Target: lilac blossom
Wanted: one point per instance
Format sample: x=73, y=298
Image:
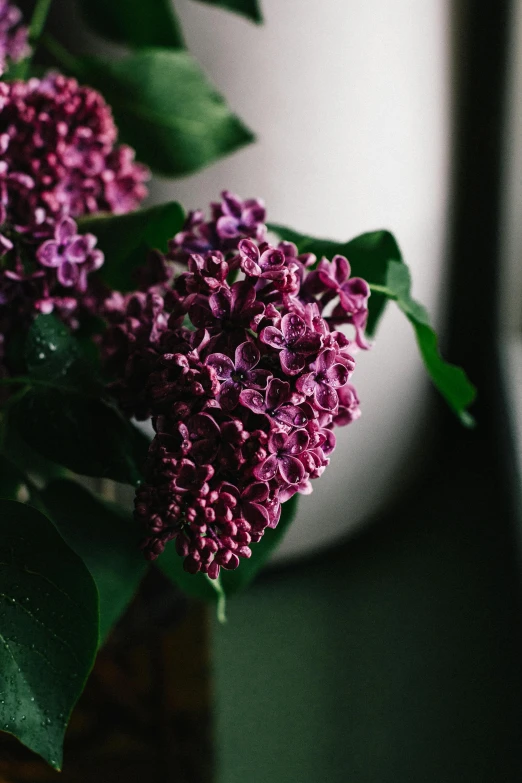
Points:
x=72, y=255
x=294, y=341
x=59, y=160
x=244, y=380
x=238, y=375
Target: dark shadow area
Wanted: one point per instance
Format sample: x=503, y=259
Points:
x=396, y=656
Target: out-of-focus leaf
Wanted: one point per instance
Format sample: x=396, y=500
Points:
x=48, y=629
x=84, y=434
x=451, y=381
x=127, y=239
x=136, y=23
x=106, y=537
x=248, y=8
x=376, y=257
x=368, y=255
x=167, y=110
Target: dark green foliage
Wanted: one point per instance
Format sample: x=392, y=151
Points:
x=127, y=239
x=48, y=629
x=136, y=23
x=106, y=537
x=166, y=109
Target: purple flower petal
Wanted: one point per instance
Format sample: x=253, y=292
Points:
x=306, y=384
x=278, y=392
x=297, y=442
x=243, y=296
x=67, y=274
x=65, y=230
x=255, y=493
x=266, y=470
x=48, y=254
x=341, y=269
x=252, y=399
x=291, y=415
x=221, y=364
x=326, y=397
x=220, y=304
x=309, y=343
x=232, y=204
x=277, y=441
x=258, y=379
x=292, y=363
x=325, y=360
x=337, y=376
x=249, y=249
x=229, y=395
x=293, y=327
x=226, y=227
x=272, y=336
x=291, y=469
x=247, y=356
x=256, y=515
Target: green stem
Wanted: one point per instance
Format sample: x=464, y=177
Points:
x=382, y=289
x=38, y=20
x=67, y=60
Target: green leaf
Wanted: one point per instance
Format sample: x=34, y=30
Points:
x=451, y=381
x=127, y=239
x=230, y=582
x=368, y=255
x=195, y=585
x=65, y=418
x=376, y=257
x=106, y=537
x=48, y=629
x=248, y=8
x=50, y=349
x=84, y=434
x=167, y=110
x=134, y=22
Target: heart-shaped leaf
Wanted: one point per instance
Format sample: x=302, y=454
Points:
x=134, y=22
x=368, y=255
x=376, y=257
x=48, y=629
x=127, y=239
x=166, y=109
x=106, y=537
x=248, y=8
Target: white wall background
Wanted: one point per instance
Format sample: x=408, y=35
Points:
x=350, y=101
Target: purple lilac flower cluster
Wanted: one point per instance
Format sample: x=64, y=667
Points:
x=245, y=373
x=13, y=35
x=58, y=161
